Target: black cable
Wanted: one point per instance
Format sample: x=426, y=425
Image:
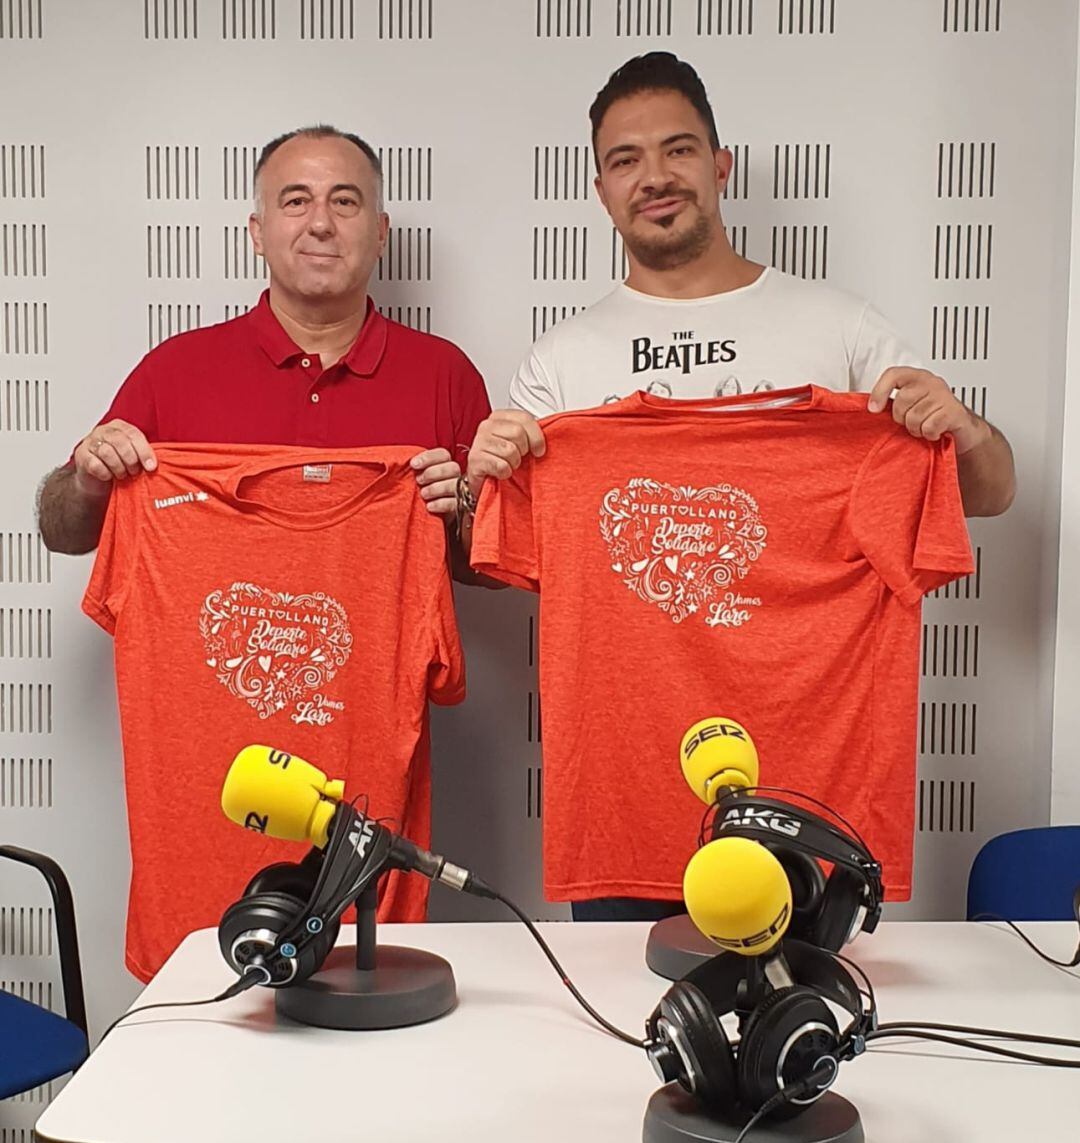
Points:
x=989, y=1033
x=1029, y=942
x=959, y=1042
x=766, y=1109
x=248, y=980
x=924, y=1030
x=808, y=1084
x=865, y=979
x=618, y=1032
x=920, y=1029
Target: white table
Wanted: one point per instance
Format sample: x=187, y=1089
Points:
x=518, y=1060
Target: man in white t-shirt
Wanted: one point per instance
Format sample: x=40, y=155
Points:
x=695, y=319
x=776, y=332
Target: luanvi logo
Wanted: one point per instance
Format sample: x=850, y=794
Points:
x=770, y=820
x=185, y=498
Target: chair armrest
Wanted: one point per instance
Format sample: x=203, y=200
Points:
x=64, y=911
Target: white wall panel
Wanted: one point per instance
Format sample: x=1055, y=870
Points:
x=919, y=153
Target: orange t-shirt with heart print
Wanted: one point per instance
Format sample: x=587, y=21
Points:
x=761, y=558
x=277, y=595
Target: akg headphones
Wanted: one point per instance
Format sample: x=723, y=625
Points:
x=287, y=921
x=827, y=911
x=251, y=928
x=789, y=1037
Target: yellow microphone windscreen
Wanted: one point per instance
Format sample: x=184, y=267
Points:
x=718, y=752
x=738, y=895
x=279, y=794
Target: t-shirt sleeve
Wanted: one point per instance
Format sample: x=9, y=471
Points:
x=504, y=540
x=446, y=671
x=907, y=517
x=533, y=389
x=876, y=347
x=469, y=405
x=114, y=563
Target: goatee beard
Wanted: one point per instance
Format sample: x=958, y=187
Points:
x=658, y=254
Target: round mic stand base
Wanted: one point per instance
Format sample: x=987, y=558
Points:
x=673, y=1116
x=406, y=986
x=675, y=947
x=372, y=986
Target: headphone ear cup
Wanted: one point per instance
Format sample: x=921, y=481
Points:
x=784, y=1038
x=807, y=886
x=839, y=906
x=283, y=877
x=702, y=1043
x=253, y=925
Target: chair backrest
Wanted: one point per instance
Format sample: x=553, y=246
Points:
x=36, y=1045
x=1027, y=875
x=66, y=932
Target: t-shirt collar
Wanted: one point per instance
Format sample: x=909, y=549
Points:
x=362, y=359
x=768, y=402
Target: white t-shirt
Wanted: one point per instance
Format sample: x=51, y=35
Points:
x=776, y=333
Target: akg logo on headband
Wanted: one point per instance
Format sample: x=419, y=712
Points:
x=361, y=834
x=770, y=820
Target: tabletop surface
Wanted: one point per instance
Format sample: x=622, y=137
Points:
x=518, y=1059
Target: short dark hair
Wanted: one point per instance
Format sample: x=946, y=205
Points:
x=320, y=131
x=654, y=71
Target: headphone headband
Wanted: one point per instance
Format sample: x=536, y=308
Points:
x=760, y=818
x=355, y=853
x=719, y=978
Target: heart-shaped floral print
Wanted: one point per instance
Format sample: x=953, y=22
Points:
x=271, y=648
x=683, y=548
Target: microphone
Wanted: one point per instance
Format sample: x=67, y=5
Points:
x=717, y=754
x=280, y=795
x=276, y=793
x=738, y=895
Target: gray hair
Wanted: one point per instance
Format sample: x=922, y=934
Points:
x=319, y=131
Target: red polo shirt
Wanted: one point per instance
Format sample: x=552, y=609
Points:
x=246, y=381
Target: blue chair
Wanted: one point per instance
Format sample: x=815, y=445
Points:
x=36, y=1045
x=1027, y=875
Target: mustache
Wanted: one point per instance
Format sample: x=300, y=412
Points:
x=660, y=196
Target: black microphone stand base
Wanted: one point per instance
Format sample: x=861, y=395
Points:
x=405, y=986
x=675, y=947
x=673, y=1116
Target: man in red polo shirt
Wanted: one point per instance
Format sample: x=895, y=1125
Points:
x=314, y=363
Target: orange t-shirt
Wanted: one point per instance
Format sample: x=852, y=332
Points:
x=761, y=558
x=276, y=595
